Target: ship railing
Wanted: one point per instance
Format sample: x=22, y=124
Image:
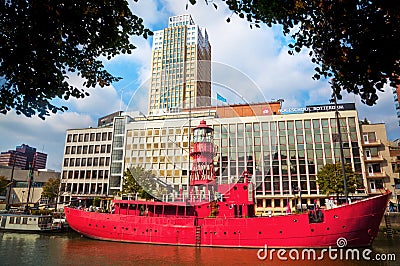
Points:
x=185, y=197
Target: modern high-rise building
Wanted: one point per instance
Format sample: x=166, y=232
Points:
x=181, y=67
x=24, y=157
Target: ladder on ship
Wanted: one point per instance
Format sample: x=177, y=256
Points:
x=389, y=230
x=198, y=235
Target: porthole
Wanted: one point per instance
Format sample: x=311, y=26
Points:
x=335, y=216
x=280, y=232
x=312, y=230
x=327, y=228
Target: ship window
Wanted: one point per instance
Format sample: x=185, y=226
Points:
x=245, y=187
x=24, y=220
x=18, y=220
x=11, y=220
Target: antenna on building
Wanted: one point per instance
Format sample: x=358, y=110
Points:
x=346, y=193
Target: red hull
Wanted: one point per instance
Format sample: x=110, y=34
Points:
x=358, y=223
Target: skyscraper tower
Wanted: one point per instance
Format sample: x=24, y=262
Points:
x=181, y=66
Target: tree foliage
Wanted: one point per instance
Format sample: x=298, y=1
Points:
x=138, y=180
x=42, y=42
x=330, y=179
x=354, y=42
x=51, y=188
x=3, y=184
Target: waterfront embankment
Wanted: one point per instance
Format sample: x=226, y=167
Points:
x=394, y=219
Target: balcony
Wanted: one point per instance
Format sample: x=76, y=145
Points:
x=376, y=175
x=374, y=159
x=372, y=143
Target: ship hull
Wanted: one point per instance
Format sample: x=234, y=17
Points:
x=356, y=224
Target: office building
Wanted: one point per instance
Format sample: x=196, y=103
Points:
x=24, y=156
x=181, y=67
x=86, y=163
x=13, y=159
x=377, y=158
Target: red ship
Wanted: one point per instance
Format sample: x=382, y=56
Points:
x=223, y=215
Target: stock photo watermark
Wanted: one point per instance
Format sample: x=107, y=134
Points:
x=340, y=252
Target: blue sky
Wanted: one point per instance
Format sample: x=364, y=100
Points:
x=259, y=55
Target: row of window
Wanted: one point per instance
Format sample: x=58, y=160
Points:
x=85, y=188
x=82, y=162
x=88, y=149
x=86, y=137
x=85, y=174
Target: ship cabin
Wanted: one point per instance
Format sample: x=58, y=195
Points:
x=232, y=201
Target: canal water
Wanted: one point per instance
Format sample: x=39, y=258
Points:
x=73, y=249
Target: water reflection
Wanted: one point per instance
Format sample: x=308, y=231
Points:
x=72, y=249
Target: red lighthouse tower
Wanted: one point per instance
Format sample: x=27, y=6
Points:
x=203, y=152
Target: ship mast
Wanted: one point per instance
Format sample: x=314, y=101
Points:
x=30, y=180
x=346, y=193
x=189, y=134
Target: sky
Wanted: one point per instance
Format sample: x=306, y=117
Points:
x=242, y=58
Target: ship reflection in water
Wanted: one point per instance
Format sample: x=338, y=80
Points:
x=72, y=249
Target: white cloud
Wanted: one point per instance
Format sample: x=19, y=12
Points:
x=46, y=136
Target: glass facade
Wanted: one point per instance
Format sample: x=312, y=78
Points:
x=283, y=153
